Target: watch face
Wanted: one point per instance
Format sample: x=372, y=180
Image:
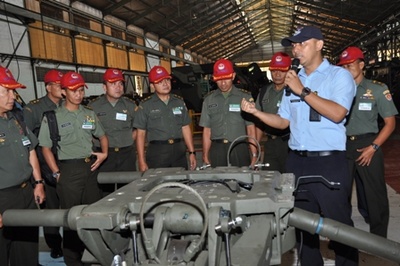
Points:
x=306, y=91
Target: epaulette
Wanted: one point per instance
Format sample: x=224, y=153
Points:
x=35, y=101
x=177, y=96
x=244, y=91
x=88, y=107
x=209, y=93
x=147, y=98
x=95, y=99
x=378, y=82
x=128, y=99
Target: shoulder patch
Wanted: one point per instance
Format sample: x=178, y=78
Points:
x=388, y=95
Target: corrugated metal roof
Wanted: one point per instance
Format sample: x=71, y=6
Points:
x=251, y=30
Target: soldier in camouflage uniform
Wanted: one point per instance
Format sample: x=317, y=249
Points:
x=364, y=139
x=33, y=114
x=164, y=121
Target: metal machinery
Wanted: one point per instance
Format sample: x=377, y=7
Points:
x=214, y=217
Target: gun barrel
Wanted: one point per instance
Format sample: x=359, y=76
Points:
x=118, y=177
x=345, y=234
x=36, y=218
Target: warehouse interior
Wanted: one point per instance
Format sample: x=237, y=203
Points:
x=186, y=36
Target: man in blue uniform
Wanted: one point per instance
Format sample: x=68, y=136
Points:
x=364, y=140
x=321, y=97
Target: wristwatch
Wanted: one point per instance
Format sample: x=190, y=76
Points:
x=37, y=182
x=375, y=146
x=192, y=152
x=56, y=174
x=305, y=92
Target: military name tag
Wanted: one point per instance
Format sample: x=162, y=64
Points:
x=365, y=106
x=177, y=111
x=25, y=141
x=121, y=117
x=234, y=108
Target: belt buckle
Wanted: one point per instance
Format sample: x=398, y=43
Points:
x=24, y=184
x=225, y=141
x=171, y=141
x=116, y=149
x=353, y=137
x=87, y=159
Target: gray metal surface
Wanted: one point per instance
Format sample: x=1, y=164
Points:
x=221, y=216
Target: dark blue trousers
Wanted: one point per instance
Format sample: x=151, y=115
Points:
x=315, y=195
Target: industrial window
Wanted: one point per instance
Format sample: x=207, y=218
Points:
x=51, y=11
x=81, y=21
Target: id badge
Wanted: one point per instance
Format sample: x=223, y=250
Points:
x=177, y=111
x=87, y=125
x=365, y=106
x=121, y=116
x=25, y=141
x=234, y=107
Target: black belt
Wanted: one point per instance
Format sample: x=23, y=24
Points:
x=315, y=153
x=81, y=160
x=361, y=136
x=22, y=185
x=221, y=141
x=168, y=141
x=283, y=137
x=118, y=149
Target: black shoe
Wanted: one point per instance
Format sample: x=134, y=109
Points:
x=56, y=253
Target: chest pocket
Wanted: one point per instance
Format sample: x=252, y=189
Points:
x=67, y=134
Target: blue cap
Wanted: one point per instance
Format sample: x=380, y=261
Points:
x=303, y=34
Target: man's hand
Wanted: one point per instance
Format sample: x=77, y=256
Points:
x=248, y=107
x=192, y=160
x=100, y=157
x=39, y=194
x=366, y=155
x=143, y=166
